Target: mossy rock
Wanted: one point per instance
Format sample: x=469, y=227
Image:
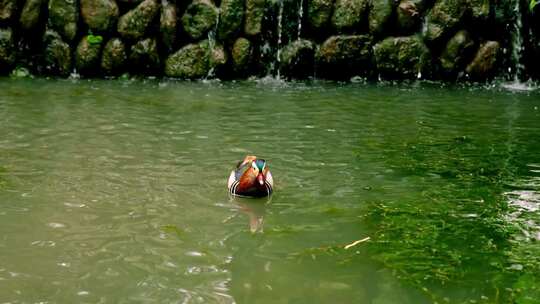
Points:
x=199, y=18
x=484, y=64
x=87, y=55
x=134, y=24
x=443, y=18
x=297, y=59
x=195, y=61
x=349, y=15
x=168, y=25
x=99, y=15
x=64, y=18
x=8, y=10
x=409, y=16
x=191, y=61
x=241, y=55
x=31, y=14
x=254, y=16
x=7, y=51
x=57, y=55
x=144, y=57
x=455, y=53
x=230, y=19
x=217, y=57
x=114, y=57
x=380, y=14
x=319, y=13
x=479, y=9
x=402, y=58
x=344, y=56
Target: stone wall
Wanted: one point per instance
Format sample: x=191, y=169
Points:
x=334, y=39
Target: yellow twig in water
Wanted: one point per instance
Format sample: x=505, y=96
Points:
x=357, y=242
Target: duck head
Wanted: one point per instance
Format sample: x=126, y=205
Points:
x=259, y=166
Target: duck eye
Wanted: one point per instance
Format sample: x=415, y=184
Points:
x=254, y=165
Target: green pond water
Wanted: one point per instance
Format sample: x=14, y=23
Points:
x=115, y=192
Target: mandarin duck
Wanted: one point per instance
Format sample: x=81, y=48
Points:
x=251, y=178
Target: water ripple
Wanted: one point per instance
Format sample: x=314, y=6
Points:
x=112, y=195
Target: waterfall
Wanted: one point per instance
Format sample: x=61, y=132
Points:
x=266, y=52
x=300, y=15
x=517, y=43
x=278, y=53
x=517, y=70
x=212, y=43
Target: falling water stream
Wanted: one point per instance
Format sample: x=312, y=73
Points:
x=517, y=68
x=212, y=44
x=300, y=16
x=517, y=43
x=279, y=30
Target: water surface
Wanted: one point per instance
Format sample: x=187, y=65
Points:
x=114, y=192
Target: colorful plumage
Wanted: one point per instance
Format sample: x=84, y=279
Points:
x=251, y=178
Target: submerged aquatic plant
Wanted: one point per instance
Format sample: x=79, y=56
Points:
x=3, y=182
x=453, y=232
x=172, y=230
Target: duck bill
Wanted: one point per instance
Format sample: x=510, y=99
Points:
x=260, y=179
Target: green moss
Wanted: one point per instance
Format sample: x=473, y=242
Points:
x=402, y=57
x=135, y=23
x=199, y=18
x=532, y=5
x=231, y=18
x=254, y=14
x=348, y=15
x=94, y=39
x=20, y=72
x=191, y=61
x=319, y=12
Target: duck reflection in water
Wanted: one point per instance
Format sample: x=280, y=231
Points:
x=254, y=209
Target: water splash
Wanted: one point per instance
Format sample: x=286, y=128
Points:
x=273, y=83
x=74, y=75
x=518, y=86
